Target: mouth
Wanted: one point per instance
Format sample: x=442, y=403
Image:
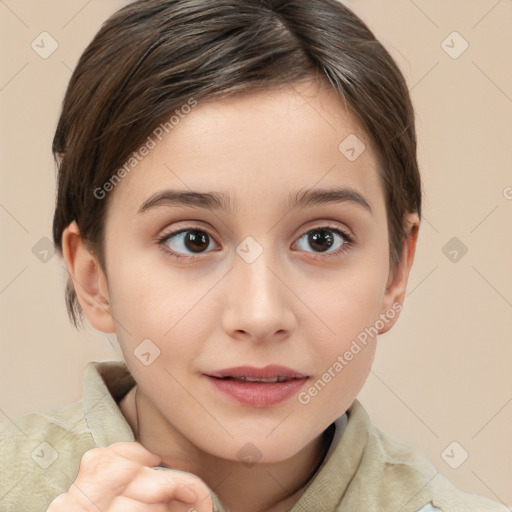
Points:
x=251, y=379
x=270, y=373
x=258, y=387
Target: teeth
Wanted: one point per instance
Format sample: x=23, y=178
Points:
x=272, y=379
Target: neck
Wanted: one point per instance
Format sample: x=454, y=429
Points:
x=243, y=487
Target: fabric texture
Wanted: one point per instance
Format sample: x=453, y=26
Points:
x=430, y=508
x=365, y=469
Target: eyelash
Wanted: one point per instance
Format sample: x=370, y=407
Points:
x=346, y=246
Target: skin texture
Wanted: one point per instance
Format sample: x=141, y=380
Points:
x=120, y=477
x=294, y=305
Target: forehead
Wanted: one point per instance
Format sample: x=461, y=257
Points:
x=253, y=144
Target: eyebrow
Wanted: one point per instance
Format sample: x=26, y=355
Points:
x=223, y=202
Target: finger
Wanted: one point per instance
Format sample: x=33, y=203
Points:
x=124, y=504
x=204, y=502
x=97, y=459
x=134, y=451
x=152, y=486
x=64, y=503
x=105, y=472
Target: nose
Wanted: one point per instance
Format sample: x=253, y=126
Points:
x=258, y=302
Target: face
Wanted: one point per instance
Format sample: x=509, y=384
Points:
x=262, y=274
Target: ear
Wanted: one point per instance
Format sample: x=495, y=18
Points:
x=88, y=278
x=397, y=282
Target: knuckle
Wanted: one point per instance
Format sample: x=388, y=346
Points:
x=93, y=459
x=58, y=503
x=92, y=454
x=100, y=465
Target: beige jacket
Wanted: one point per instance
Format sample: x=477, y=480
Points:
x=365, y=470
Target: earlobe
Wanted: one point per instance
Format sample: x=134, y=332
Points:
x=397, y=283
x=88, y=278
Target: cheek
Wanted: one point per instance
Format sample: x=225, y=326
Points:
x=332, y=392
x=349, y=301
x=169, y=308
x=345, y=350
x=349, y=306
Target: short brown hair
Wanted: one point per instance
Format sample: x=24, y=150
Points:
x=152, y=56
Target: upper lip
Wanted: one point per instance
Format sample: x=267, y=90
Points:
x=267, y=372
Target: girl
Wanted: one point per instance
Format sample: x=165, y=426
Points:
x=239, y=202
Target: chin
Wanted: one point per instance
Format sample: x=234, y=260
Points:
x=262, y=449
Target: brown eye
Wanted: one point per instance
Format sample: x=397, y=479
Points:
x=320, y=240
x=196, y=241
x=188, y=241
x=324, y=240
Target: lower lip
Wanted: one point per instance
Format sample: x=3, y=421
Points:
x=258, y=394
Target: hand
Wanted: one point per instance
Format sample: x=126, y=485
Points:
x=118, y=479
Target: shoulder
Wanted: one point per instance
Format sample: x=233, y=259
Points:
x=39, y=456
x=405, y=459
x=374, y=470
x=40, y=453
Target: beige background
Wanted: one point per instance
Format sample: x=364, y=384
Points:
x=443, y=373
